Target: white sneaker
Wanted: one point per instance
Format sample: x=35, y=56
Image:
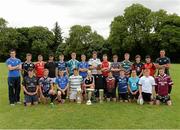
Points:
x=19, y=103
x=12, y=104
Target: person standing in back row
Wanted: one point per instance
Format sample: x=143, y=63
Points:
x=163, y=61
x=14, y=80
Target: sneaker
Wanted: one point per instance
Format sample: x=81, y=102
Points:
x=12, y=104
x=19, y=103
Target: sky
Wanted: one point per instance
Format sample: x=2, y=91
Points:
x=96, y=13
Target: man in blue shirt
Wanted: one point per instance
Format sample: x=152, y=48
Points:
x=83, y=66
x=14, y=67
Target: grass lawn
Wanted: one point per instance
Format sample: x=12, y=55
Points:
x=106, y=115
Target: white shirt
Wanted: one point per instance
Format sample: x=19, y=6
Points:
x=147, y=83
x=95, y=63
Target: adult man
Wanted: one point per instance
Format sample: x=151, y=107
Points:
x=163, y=61
x=14, y=67
x=94, y=62
x=27, y=64
x=51, y=66
x=126, y=64
x=72, y=64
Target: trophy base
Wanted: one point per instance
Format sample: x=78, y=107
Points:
x=88, y=102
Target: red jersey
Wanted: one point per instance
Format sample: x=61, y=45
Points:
x=110, y=82
x=105, y=64
x=39, y=67
x=162, y=84
x=151, y=67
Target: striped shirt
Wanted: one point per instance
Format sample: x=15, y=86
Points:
x=75, y=81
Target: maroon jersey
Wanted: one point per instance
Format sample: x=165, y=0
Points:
x=162, y=84
x=110, y=82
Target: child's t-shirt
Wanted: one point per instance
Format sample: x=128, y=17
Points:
x=133, y=83
x=75, y=82
x=122, y=84
x=62, y=82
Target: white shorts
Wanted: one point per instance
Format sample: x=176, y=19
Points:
x=73, y=95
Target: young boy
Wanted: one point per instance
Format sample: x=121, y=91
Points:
x=146, y=87
x=63, y=85
x=72, y=64
x=46, y=87
x=123, y=86
x=163, y=88
x=133, y=86
x=99, y=82
x=83, y=66
x=75, y=82
x=111, y=88
x=138, y=66
x=39, y=67
x=61, y=65
x=30, y=88
x=149, y=65
x=126, y=64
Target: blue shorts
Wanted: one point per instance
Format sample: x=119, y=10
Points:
x=31, y=99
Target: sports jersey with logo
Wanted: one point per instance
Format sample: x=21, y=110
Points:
x=138, y=67
x=95, y=63
x=110, y=83
x=75, y=82
x=126, y=65
x=61, y=65
x=133, y=83
x=122, y=84
x=115, y=65
x=151, y=67
x=105, y=64
x=26, y=66
x=83, y=65
x=30, y=83
x=62, y=82
x=163, y=61
x=39, y=67
x=71, y=65
x=163, y=83
x=13, y=62
x=45, y=83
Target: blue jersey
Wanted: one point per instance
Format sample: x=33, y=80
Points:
x=13, y=62
x=61, y=65
x=122, y=84
x=83, y=65
x=133, y=83
x=62, y=82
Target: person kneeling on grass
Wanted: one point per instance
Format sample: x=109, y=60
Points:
x=62, y=88
x=75, y=83
x=133, y=86
x=146, y=87
x=163, y=87
x=46, y=88
x=30, y=87
x=111, y=88
x=123, y=86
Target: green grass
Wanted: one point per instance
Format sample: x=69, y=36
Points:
x=106, y=115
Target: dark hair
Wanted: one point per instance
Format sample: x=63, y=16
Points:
x=95, y=52
x=28, y=54
x=12, y=50
x=137, y=56
x=75, y=69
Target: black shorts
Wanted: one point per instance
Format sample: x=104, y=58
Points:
x=111, y=94
x=46, y=94
x=31, y=99
x=134, y=96
x=146, y=97
x=123, y=96
x=63, y=96
x=163, y=99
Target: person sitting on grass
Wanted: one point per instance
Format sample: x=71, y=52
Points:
x=146, y=87
x=111, y=88
x=123, y=86
x=75, y=84
x=62, y=86
x=163, y=88
x=46, y=88
x=30, y=86
x=133, y=86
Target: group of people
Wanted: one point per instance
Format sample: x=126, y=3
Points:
x=92, y=80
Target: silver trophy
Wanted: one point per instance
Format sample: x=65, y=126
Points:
x=89, y=91
x=79, y=96
x=101, y=95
